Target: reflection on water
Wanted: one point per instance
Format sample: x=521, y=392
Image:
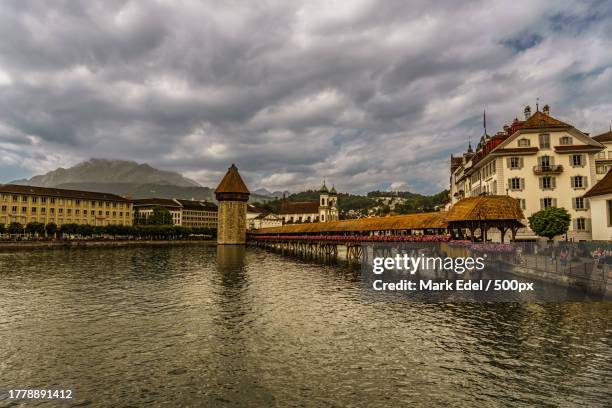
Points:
x=229, y=326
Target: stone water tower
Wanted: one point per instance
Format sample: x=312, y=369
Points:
x=232, y=195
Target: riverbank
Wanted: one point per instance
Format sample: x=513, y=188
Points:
x=99, y=244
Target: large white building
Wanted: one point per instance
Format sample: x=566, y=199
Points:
x=540, y=161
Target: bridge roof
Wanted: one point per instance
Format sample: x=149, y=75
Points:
x=482, y=208
x=396, y=222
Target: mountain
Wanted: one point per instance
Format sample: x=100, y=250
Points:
x=128, y=179
x=267, y=193
x=95, y=171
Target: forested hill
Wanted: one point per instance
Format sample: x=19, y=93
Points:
x=404, y=202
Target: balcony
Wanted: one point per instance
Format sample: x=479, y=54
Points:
x=552, y=169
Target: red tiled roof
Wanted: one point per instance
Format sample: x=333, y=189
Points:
x=604, y=137
x=540, y=120
x=604, y=186
x=59, y=192
x=232, y=182
x=302, y=207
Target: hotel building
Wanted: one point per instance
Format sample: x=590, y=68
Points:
x=542, y=162
x=186, y=213
x=24, y=204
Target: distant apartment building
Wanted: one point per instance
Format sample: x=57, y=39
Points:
x=542, y=162
x=198, y=213
x=24, y=204
x=186, y=213
x=258, y=218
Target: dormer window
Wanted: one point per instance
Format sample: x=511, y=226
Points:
x=523, y=142
x=565, y=140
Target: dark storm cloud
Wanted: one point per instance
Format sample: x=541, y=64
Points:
x=365, y=94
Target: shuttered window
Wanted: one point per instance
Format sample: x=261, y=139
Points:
x=578, y=182
x=515, y=162
x=547, y=183
x=547, y=202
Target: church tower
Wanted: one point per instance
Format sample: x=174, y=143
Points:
x=328, y=204
x=232, y=195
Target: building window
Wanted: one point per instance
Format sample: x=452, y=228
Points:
x=578, y=182
x=580, y=224
x=600, y=155
x=565, y=140
x=544, y=141
x=579, y=203
x=515, y=162
x=33, y=210
x=24, y=210
x=52, y=200
x=523, y=203
x=545, y=162
x=576, y=160
x=547, y=183
x=601, y=169
x=24, y=199
x=523, y=143
x=516, y=183
x=43, y=200
x=547, y=202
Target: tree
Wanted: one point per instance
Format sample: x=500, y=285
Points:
x=51, y=229
x=15, y=228
x=2, y=228
x=160, y=216
x=550, y=222
x=35, y=228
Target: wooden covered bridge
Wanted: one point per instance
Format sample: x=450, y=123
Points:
x=464, y=220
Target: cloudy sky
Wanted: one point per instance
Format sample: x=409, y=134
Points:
x=368, y=95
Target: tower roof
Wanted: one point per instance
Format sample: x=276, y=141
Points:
x=232, y=182
x=323, y=188
x=333, y=191
x=232, y=188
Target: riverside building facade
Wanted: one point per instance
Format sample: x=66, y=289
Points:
x=186, y=213
x=541, y=161
x=25, y=204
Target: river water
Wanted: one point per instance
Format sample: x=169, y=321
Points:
x=206, y=326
